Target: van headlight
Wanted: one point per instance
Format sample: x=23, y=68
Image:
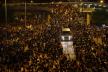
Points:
x=63, y=38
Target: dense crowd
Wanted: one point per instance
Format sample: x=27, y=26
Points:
x=37, y=47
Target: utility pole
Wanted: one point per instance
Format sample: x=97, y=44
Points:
x=25, y=12
x=88, y=18
x=6, y=11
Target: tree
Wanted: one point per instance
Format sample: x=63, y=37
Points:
x=100, y=16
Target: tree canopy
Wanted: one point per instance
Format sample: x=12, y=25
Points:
x=100, y=16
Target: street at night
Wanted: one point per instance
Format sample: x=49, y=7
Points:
x=54, y=36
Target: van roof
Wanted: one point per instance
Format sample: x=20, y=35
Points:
x=66, y=29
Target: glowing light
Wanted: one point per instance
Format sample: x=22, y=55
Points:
x=52, y=2
x=101, y=1
x=100, y=5
x=63, y=37
x=31, y=1
x=70, y=37
x=66, y=29
x=85, y=4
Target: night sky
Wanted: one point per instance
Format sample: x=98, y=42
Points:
x=45, y=1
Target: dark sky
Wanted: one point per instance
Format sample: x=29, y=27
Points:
x=42, y=1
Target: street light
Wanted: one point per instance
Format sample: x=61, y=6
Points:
x=101, y=1
x=31, y=1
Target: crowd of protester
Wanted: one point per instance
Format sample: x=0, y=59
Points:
x=37, y=47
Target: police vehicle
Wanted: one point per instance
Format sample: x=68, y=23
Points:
x=66, y=34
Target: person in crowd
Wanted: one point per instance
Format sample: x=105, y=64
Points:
x=36, y=47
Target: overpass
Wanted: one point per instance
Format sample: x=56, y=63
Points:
x=84, y=7
x=46, y=6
